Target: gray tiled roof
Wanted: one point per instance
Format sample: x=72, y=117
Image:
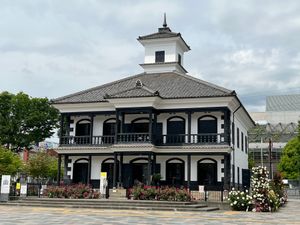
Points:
x=166, y=85
x=283, y=103
x=164, y=32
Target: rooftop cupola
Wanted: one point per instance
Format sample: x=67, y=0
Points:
x=164, y=50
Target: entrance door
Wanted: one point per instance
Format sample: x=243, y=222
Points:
x=109, y=169
x=80, y=173
x=207, y=173
x=139, y=172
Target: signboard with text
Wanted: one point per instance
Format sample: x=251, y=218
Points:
x=5, y=184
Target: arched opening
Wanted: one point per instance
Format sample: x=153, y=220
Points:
x=83, y=131
x=109, y=130
x=207, y=171
x=108, y=166
x=139, y=167
x=140, y=125
x=207, y=129
x=175, y=172
x=80, y=171
x=175, y=130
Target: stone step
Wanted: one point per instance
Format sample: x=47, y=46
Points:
x=123, y=207
x=106, y=201
x=110, y=203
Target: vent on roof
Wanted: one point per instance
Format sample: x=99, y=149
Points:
x=139, y=84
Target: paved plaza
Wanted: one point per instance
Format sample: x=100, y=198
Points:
x=9, y=215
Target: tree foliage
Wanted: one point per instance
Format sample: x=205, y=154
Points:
x=10, y=163
x=24, y=120
x=42, y=166
x=290, y=159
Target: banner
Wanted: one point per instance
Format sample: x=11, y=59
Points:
x=5, y=184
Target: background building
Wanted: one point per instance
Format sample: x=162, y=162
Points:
x=279, y=124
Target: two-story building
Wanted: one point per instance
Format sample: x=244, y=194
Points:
x=160, y=121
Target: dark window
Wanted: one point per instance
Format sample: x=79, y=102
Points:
x=207, y=129
x=160, y=56
x=238, y=137
x=233, y=137
x=246, y=144
x=238, y=176
x=242, y=137
x=179, y=59
x=175, y=130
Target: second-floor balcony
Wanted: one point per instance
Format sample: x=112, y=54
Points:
x=136, y=138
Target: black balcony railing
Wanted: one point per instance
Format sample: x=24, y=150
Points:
x=87, y=140
x=161, y=140
x=197, y=139
x=134, y=138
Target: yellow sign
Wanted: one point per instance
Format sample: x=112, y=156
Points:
x=103, y=175
x=18, y=186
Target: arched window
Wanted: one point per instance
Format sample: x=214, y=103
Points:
x=83, y=127
x=175, y=130
x=175, y=172
x=109, y=130
x=80, y=171
x=83, y=131
x=207, y=129
x=140, y=125
x=207, y=171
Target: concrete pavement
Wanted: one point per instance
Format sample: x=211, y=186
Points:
x=290, y=214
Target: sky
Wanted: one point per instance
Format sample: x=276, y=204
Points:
x=54, y=48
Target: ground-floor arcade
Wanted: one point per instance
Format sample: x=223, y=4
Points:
x=124, y=169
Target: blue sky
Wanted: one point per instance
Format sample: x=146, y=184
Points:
x=53, y=48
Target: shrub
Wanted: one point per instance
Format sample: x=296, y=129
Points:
x=240, y=200
x=141, y=192
x=71, y=191
x=278, y=187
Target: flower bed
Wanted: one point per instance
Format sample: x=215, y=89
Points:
x=166, y=193
x=75, y=191
x=240, y=200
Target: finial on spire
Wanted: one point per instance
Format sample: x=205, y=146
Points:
x=165, y=21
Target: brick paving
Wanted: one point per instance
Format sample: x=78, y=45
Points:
x=290, y=214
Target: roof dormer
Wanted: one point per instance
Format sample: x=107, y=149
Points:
x=164, y=51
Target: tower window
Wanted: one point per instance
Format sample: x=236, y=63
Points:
x=160, y=56
x=179, y=59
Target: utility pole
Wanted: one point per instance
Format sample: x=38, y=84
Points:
x=270, y=158
x=261, y=152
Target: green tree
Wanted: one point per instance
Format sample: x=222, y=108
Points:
x=25, y=121
x=290, y=159
x=10, y=163
x=42, y=166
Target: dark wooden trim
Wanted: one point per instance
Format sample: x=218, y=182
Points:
x=76, y=161
x=140, y=118
x=115, y=171
x=188, y=171
x=120, y=168
x=215, y=161
x=89, y=169
x=149, y=169
x=59, y=169
x=189, y=126
x=173, y=117
x=105, y=160
x=139, y=158
x=107, y=120
x=87, y=113
x=175, y=158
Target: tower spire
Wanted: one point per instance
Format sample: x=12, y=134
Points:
x=165, y=21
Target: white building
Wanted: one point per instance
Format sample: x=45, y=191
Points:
x=161, y=121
